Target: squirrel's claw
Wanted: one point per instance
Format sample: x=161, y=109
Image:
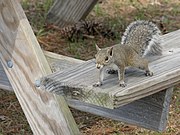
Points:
x=98, y=84
x=122, y=84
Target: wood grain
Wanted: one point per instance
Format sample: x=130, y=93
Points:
x=150, y=112
x=76, y=82
x=57, y=62
x=4, y=81
x=60, y=62
x=66, y=12
x=46, y=113
x=133, y=113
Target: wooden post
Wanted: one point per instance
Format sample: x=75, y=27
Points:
x=24, y=63
x=66, y=12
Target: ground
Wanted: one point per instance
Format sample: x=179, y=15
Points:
x=115, y=15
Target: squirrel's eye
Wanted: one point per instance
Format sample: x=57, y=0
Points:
x=106, y=59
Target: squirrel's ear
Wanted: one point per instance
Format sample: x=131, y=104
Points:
x=110, y=51
x=97, y=48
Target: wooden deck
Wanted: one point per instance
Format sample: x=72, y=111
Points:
x=76, y=82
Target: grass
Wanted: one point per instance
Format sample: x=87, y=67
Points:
x=36, y=12
x=47, y=4
x=98, y=11
x=115, y=14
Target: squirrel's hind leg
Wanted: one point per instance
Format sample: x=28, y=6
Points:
x=142, y=64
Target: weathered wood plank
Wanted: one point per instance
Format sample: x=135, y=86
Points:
x=24, y=62
x=4, y=81
x=60, y=62
x=66, y=12
x=53, y=58
x=76, y=83
x=149, y=112
x=56, y=62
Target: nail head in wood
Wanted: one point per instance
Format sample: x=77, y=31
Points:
x=37, y=83
x=9, y=64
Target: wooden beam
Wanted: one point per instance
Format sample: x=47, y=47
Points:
x=24, y=62
x=57, y=62
x=66, y=12
x=4, y=81
x=77, y=82
x=60, y=62
x=150, y=112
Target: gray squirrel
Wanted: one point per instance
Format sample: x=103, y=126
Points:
x=139, y=39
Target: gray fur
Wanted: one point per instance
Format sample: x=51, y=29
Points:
x=139, y=39
x=144, y=34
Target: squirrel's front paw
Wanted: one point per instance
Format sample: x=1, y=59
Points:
x=97, y=84
x=122, y=84
x=149, y=73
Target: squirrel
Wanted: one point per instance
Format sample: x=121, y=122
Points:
x=139, y=39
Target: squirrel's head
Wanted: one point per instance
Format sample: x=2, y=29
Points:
x=103, y=56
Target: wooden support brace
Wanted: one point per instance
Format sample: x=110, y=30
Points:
x=66, y=12
x=24, y=62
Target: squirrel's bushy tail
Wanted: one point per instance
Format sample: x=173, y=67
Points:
x=144, y=36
